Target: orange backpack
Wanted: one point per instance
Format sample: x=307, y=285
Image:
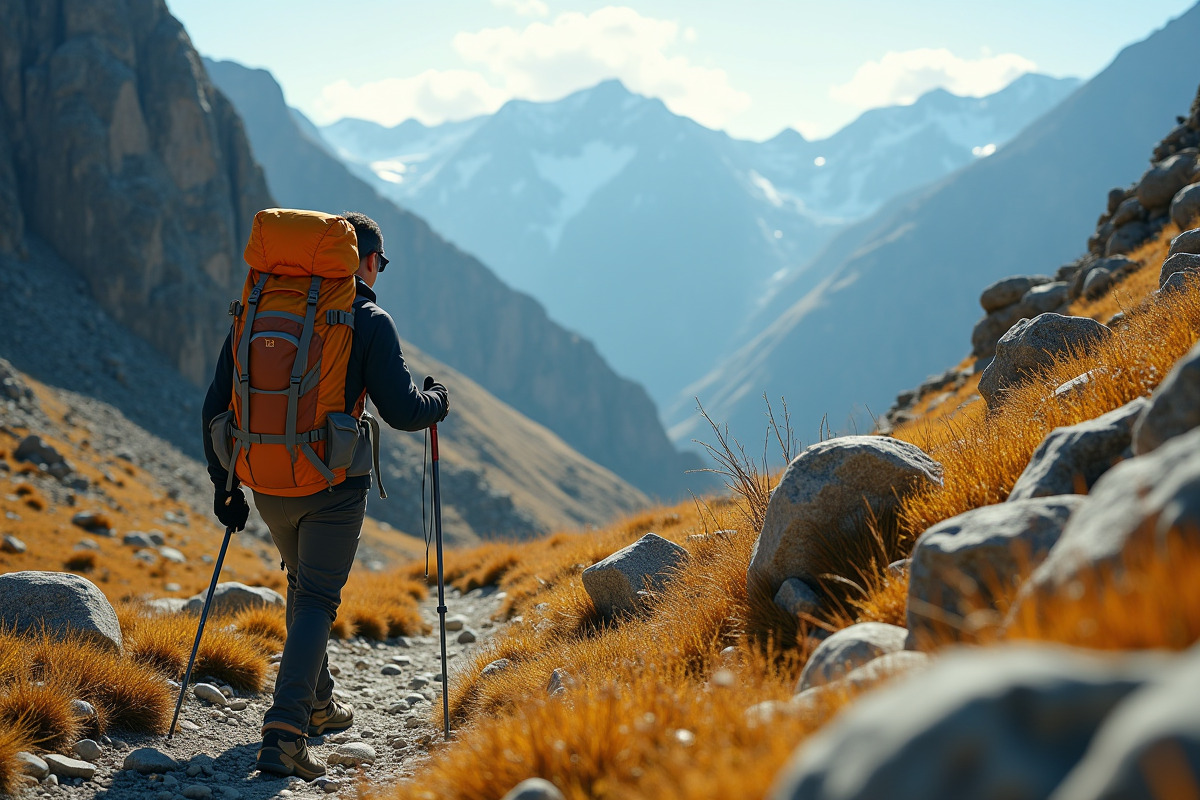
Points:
x=287, y=432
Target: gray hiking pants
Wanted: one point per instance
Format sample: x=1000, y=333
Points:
x=317, y=537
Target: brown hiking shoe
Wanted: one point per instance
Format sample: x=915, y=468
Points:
x=333, y=717
x=284, y=753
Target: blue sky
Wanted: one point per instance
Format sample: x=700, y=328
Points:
x=751, y=68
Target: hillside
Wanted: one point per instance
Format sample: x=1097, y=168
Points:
x=452, y=307
x=875, y=310
x=578, y=200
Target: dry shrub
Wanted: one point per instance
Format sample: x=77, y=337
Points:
x=164, y=643
x=13, y=739
x=378, y=605
x=43, y=710
x=264, y=625
x=82, y=561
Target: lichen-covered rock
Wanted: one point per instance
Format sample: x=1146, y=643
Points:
x=1071, y=459
x=1032, y=345
x=823, y=500
x=61, y=603
x=848, y=649
x=1173, y=409
x=646, y=565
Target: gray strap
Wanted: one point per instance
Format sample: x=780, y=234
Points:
x=237, y=447
x=373, y=426
x=317, y=435
x=300, y=365
x=243, y=356
x=289, y=316
x=335, y=317
x=326, y=473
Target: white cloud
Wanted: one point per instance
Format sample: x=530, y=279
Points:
x=544, y=61
x=524, y=8
x=899, y=78
x=432, y=97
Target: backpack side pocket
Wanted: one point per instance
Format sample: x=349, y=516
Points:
x=341, y=440
x=220, y=432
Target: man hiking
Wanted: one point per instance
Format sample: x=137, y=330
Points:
x=285, y=416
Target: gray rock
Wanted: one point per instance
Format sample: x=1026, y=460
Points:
x=1043, y=298
x=11, y=544
x=64, y=767
x=1180, y=262
x=883, y=668
x=352, y=754
x=1186, y=206
x=418, y=682
x=1162, y=181
x=88, y=750
x=32, y=765
x=172, y=555
x=91, y=522
x=36, y=450
x=1136, y=506
x=988, y=330
x=456, y=622
x=795, y=597
x=496, y=667
x=1129, y=211
x=1174, y=408
x=232, y=596
x=646, y=565
x=1033, y=345
x=1106, y=271
x=83, y=710
x=534, y=789
x=1187, y=281
x=821, y=503
x=1126, y=238
x=1007, y=291
x=466, y=636
x=63, y=603
x=197, y=791
x=1071, y=459
x=959, y=563
x=560, y=681
x=1186, y=242
x=1145, y=741
x=1005, y=722
x=847, y=650
x=137, y=539
x=210, y=694
x=167, y=605
x=1077, y=384
x=328, y=785
x=391, y=670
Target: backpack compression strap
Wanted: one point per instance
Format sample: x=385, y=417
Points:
x=242, y=375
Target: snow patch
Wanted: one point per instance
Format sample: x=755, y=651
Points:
x=466, y=168
x=578, y=177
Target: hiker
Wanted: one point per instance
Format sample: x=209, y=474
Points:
x=306, y=447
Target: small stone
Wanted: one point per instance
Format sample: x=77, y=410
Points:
x=328, y=785
x=397, y=708
x=403, y=661
x=238, y=705
x=353, y=754
x=210, y=693
x=467, y=636
x=412, y=722
x=415, y=699
x=188, y=725
x=164, y=795
x=455, y=623
x=172, y=555
x=52, y=780
x=172, y=587
x=197, y=791
x=534, y=789
x=418, y=682
x=496, y=667
x=193, y=770
x=147, y=760
x=391, y=669
x=87, y=749
x=11, y=544
x=64, y=767
x=559, y=682
x=361, y=664
x=32, y=765
x=83, y=710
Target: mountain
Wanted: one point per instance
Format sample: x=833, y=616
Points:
x=870, y=316
x=654, y=236
x=456, y=310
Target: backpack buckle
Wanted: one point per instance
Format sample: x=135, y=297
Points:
x=313, y=294
x=235, y=308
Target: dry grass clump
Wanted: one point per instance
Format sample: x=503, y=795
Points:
x=379, y=605
x=43, y=710
x=266, y=626
x=164, y=642
x=81, y=561
x=14, y=737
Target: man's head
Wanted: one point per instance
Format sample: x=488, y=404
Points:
x=371, y=260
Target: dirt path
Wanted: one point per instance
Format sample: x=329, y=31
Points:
x=216, y=749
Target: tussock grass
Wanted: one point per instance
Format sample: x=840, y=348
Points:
x=266, y=626
x=81, y=561
x=379, y=605
x=14, y=737
x=43, y=710
x=164, y=642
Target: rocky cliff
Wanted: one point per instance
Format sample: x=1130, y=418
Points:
x=118, y=152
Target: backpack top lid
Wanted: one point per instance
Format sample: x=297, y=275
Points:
x=286, y=241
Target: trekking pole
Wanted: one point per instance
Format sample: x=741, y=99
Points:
x=212, y=588
x=437, y=526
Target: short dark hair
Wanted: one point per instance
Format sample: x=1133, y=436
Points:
x=370, y=238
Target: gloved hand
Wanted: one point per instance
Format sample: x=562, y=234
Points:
x=235, y=514
x=433, y=386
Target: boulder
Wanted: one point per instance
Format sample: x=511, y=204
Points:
x=1115, y=198
x=960, y=564
x=795, y=597
x=1032, y=345
x=1174, y=408
x=1043, y=298
x=534, y=789
x=231, y=597
x=1129, y=211
x=36, y=450
x=1071, y=459
x=847, y=650
x=1135, y=507
x=29, y=764
x=1107, y=269
x=1005, y=722
x=988, y=330
x=62, y=603
x=1186, y=242
x=646, y=565
x=1143, y=744
x=822, y=502
x=885, y=667
x=1007, y=291
x=1126, y=238
x=1180, y=262
x=1186, y=206
x=1162, y=181
x=1188, y=281
x=65, y=767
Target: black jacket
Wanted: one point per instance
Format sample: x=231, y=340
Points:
x=376, y=364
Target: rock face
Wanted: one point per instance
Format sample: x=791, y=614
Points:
x=1174, y=409
x=117, y=151
x=1071, y=459
x=646, y=565
x=972, y=733
x=848, y=649
x=1136, y=506
x=231, y=597
x=959, y=563
x=1031, y=345
x=1127, y=751
x=822, y=503
x=65, y=604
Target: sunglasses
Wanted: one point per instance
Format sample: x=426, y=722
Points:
x=383, y=262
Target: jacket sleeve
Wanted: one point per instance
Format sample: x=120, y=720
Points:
x=389, y=384
x=217, y=401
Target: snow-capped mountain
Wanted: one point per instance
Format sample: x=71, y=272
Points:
x=654, y=236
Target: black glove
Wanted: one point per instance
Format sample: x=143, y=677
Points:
x=234, y=513
x=433, y=386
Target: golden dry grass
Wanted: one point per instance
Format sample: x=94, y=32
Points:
x=14, y=738
x=43, y=710
x=164, y=642
x=379, y=605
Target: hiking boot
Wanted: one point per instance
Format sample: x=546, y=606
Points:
x=333, y=717
x=284, y=753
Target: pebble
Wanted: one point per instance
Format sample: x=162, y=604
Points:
x=52, y=780
x=353, y=754
x=194, y=769
x=172, y=587
x=415, y=699
x=361, y=664
x=456, y=623
x=329, y=785
x=238, y=705
x=418, y=682
x=87, y=749
x=206, y=691
x=392, y=669
x=497, y=666
x=397, y=708
x=403, y=661
x=164, y=795
x=82, y=709
x=12, y=544
x=197, y=791
x=147, y=760
x=188, y=725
